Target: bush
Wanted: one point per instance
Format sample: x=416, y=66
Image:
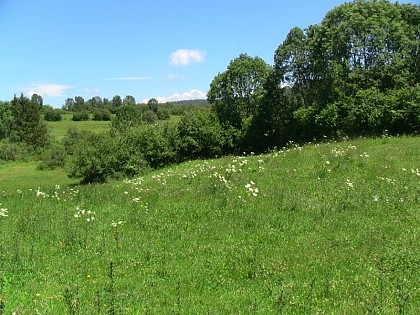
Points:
x=52, y=158
x=12, y=151
x=101, y=115
x=80, y=115
x=97, y=157
x=53, y=115
x=72, y=138
x=154, y=143
x=200, y=136
x=126, y=117
x=150, y=117
x=163, y=114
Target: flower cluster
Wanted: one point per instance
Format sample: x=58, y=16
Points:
x=117, y=224
x=349, y=183
x=41, y=194
x=222, y=179
x=3, y=212
x=82, y=213
x=252, y=190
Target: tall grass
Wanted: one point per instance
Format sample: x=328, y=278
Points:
x=331, y=228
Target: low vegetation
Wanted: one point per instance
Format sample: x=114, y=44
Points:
x=327, y=228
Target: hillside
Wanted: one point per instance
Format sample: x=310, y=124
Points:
x=329, y=228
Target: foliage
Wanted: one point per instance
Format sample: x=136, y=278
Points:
x=6, y=120
x=12, y=151
x=153, y=105
x=163, y=114
x=52, y=158
x=102, y=115
x=27, y=121
x=129, y=100
x=235, y=93
x=51, y=114
x=126, y=117
x=200, y=136
x=153, y=143
x=150, y=117
x=93, y=159
x=81, y=115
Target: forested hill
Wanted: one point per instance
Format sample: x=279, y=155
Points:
x=190, y=103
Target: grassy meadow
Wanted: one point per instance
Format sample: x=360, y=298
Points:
x=58, y=129
x=331, y=228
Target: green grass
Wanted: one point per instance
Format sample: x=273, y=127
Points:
x=24, y=175
x=322, y=229
x=59, y=129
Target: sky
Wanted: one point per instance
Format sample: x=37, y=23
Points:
x=164, y=49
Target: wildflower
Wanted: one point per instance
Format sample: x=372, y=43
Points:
x=3, y=212
x=252, y=190
x=136, y=199
x=349, y=183
x=118, y=223
x=376, y=198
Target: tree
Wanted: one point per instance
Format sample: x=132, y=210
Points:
x=126, y=117
x=344, y=72
x=129, y=100
x=79, y=103
x=95, y=102
x=116, y=101
x=69, y=104
x=28, y=124
x=6, y=120
x=37, y=99
x=236, y=93
x=153, y=104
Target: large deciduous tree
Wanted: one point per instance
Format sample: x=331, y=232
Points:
x=235, y=93
x=129, y=100
x=362, y=51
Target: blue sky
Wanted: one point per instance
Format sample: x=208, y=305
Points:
x=169, y=50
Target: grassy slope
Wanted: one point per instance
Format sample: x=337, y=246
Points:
x=332, y=228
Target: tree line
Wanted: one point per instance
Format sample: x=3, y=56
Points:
x=354, y=74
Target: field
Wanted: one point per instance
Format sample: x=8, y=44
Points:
x=58, y=129
x=331, y=228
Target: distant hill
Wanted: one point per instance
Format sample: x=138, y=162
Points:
x=201, y=102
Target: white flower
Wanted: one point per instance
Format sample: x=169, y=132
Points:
x=3, y=212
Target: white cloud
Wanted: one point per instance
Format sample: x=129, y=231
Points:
x=47, y=89
x=172, y=77
x=91, y=90
x=185, y=57
x=131, y=78
x=192, y=95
